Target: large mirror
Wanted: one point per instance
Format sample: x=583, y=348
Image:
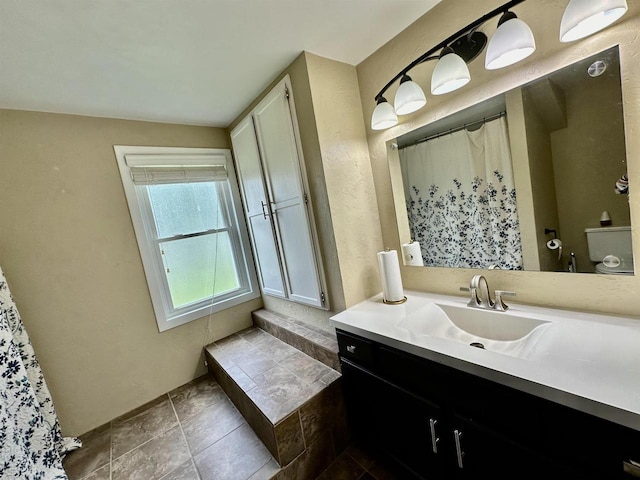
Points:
x=534, y=179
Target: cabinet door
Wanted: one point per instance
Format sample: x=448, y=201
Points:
x=405, y=426
x=598, y=446
x=281, y=163
x=480, y=452
x=255, y=200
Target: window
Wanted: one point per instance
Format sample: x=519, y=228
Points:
x=185, y=207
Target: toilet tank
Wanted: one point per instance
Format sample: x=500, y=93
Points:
x=605, y=241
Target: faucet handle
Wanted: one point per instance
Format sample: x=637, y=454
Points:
x=499, y=302
x=474, y=301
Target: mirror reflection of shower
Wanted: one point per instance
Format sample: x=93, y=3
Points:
x=461, y=197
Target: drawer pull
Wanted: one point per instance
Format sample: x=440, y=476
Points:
x=457, y=434
x=351, y=348
x=434, y=439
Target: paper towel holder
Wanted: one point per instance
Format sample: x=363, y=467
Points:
x=396, y=302
x=385, y=286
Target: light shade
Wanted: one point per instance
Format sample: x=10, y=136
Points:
x=384, y=116
x=583, y=17
x=512, y=42
x=409, y=97
x=449, y=74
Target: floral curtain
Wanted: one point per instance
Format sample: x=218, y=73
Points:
x=461, y=199
x=31, y=443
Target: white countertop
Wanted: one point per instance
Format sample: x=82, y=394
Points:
x=586, y=361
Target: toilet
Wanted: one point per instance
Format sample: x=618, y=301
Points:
x=610, y=248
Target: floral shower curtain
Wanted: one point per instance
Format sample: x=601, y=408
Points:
x=461, y=199
x=31, y=443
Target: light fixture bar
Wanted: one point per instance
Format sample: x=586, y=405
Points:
x=429, y=55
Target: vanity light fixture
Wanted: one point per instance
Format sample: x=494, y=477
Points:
x=450, y=73
x=384, y=116
x=514, y=43
x=409, y=97
x=581, y=18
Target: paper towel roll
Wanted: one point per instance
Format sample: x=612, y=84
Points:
x=412, y=254
x=390, y=278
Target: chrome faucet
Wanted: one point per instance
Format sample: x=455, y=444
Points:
x=480, y=296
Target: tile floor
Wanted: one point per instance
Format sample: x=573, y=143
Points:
x=194, y=433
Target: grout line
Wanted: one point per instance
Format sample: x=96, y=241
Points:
x=146, y=441
x=355, y=460
x=265, y=463
x=184, y=437
x=175, y=412
x=111, y=450
x=304, y=440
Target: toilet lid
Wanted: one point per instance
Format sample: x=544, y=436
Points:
x=619, y=270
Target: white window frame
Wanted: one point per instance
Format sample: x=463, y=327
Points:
x=145, y=229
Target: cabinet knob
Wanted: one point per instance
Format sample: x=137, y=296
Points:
x=351, y=348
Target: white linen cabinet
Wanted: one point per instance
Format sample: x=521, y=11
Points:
x=271, y=171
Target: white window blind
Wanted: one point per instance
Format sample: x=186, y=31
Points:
x=161, y=174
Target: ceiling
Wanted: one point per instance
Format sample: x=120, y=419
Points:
x=197, y=62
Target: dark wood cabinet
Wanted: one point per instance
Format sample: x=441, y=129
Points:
x=407, y=426
x=438, y=422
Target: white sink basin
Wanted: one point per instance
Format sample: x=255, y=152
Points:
x=500, y=332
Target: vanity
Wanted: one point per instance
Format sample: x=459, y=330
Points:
x=451, y=391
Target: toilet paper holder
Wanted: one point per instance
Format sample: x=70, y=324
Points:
x=550, y=243
x=554, y=243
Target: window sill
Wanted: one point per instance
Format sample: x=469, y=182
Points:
x=181, y=319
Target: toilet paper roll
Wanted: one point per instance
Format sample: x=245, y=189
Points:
x=390, y=278
x=412, y=255
x=555, y=244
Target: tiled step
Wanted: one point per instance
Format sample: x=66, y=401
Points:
x=292, y=401
x=314, y=340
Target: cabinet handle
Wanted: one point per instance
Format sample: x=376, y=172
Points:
x=434, y=438
x=457, y=434
x=264, y=214
x=351, y=348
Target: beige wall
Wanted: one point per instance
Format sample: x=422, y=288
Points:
x=347, y=170
x=592, y=292
x=545, y=204
x=596, y=159
x=522, y=180
x=69, y=252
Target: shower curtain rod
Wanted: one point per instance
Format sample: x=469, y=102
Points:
x=454, y=129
